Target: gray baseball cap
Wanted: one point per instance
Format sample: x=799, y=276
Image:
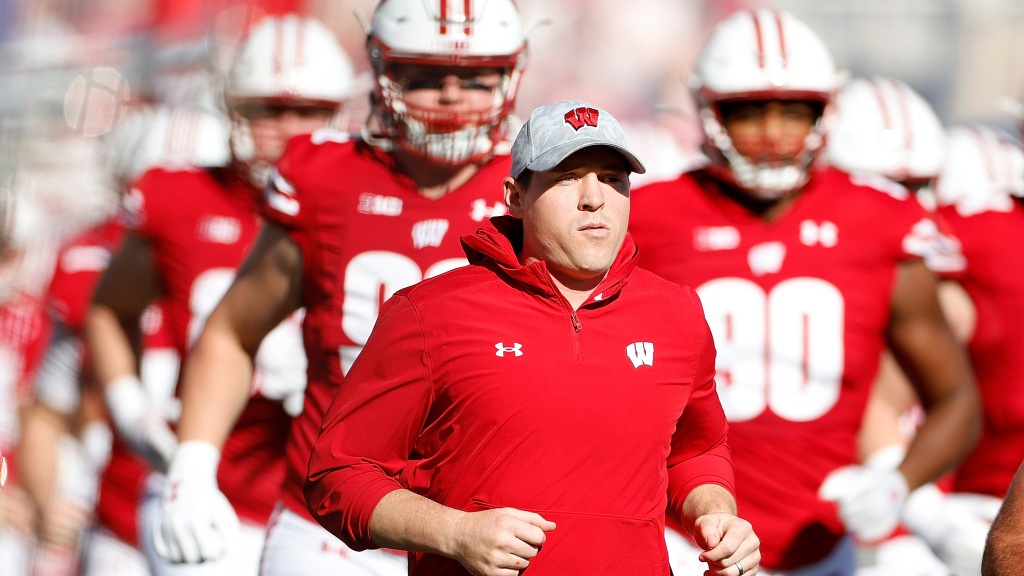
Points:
x=557, y=131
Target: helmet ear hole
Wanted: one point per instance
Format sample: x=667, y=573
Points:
x=460, y=36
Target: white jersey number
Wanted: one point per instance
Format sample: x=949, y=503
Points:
x=280, y=369
x=780, y=351
x=370, y=279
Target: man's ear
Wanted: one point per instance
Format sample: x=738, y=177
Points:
x=513, y=197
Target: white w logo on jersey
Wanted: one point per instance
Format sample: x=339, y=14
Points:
x=516, y=348
x=641, y=354
x=429, y=233
x=766, y=258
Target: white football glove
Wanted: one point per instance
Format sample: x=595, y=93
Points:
x=196, y=522
x=281, y=365
x=955, y=526
x=869, y=500
x=140, y=421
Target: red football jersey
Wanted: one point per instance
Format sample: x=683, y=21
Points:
x=798, y=308
x=199, y=225
x=990, y=242
x=365, y=232
x=79, y=265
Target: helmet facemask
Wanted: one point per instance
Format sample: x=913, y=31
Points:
x=764, y=178
x=437, y=134
x=439, y=40
x=285, y=63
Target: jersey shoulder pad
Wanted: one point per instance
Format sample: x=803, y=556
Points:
x=880, y=184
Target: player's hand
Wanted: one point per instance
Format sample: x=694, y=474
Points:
x=140, y=422
x=869, y=500
x=17, y=513
x=730, y=546
x=954, y=525
x=499, y=542
x=196, y=522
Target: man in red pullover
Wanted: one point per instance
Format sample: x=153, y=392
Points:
x=545, y=405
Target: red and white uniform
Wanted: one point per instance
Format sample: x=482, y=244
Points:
x=799, y=308
x=996, y=286
x=483, y=388
x=199, y=225
x=365, y=232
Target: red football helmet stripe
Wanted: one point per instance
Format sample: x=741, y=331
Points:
x=760, y=39
x=782, y=38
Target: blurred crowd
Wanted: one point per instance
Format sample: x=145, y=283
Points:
x=96, y=94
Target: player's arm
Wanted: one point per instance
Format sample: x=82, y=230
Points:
x=929, y=354
x=1005, y=542
x=124, y=291
x=112, y=335
x=197, y=522
x=218, y=374
x=43, y=424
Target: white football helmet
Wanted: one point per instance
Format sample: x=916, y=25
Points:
x=287, y=61
x=882, y=126
x=983, y=169
x=471, y=34
x=170, y=137
x=761, y=55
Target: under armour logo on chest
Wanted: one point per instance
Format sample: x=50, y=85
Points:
x=516, y=348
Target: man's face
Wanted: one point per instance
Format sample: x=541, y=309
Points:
x=575, y=215
x=273, y=126
x=771, y=131
x=463, y=90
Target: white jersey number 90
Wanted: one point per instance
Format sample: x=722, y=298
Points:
x=370, y=279
x=780, y=351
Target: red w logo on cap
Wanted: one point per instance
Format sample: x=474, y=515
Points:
x=581, y=117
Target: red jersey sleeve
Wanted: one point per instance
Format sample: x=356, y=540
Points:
x=290, y=200
x=356, y=460
x=700, y=453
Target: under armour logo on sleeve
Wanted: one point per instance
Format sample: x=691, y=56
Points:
x=516, y=348
x=641, y=354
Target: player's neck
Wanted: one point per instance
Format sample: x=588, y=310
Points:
x=768, y=209
x=434, y=180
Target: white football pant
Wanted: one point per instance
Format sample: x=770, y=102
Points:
x=298, y=547
x=106, y=554
x=683, y=554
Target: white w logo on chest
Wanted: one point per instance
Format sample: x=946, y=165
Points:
x=641, y=354
x=429, y=233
